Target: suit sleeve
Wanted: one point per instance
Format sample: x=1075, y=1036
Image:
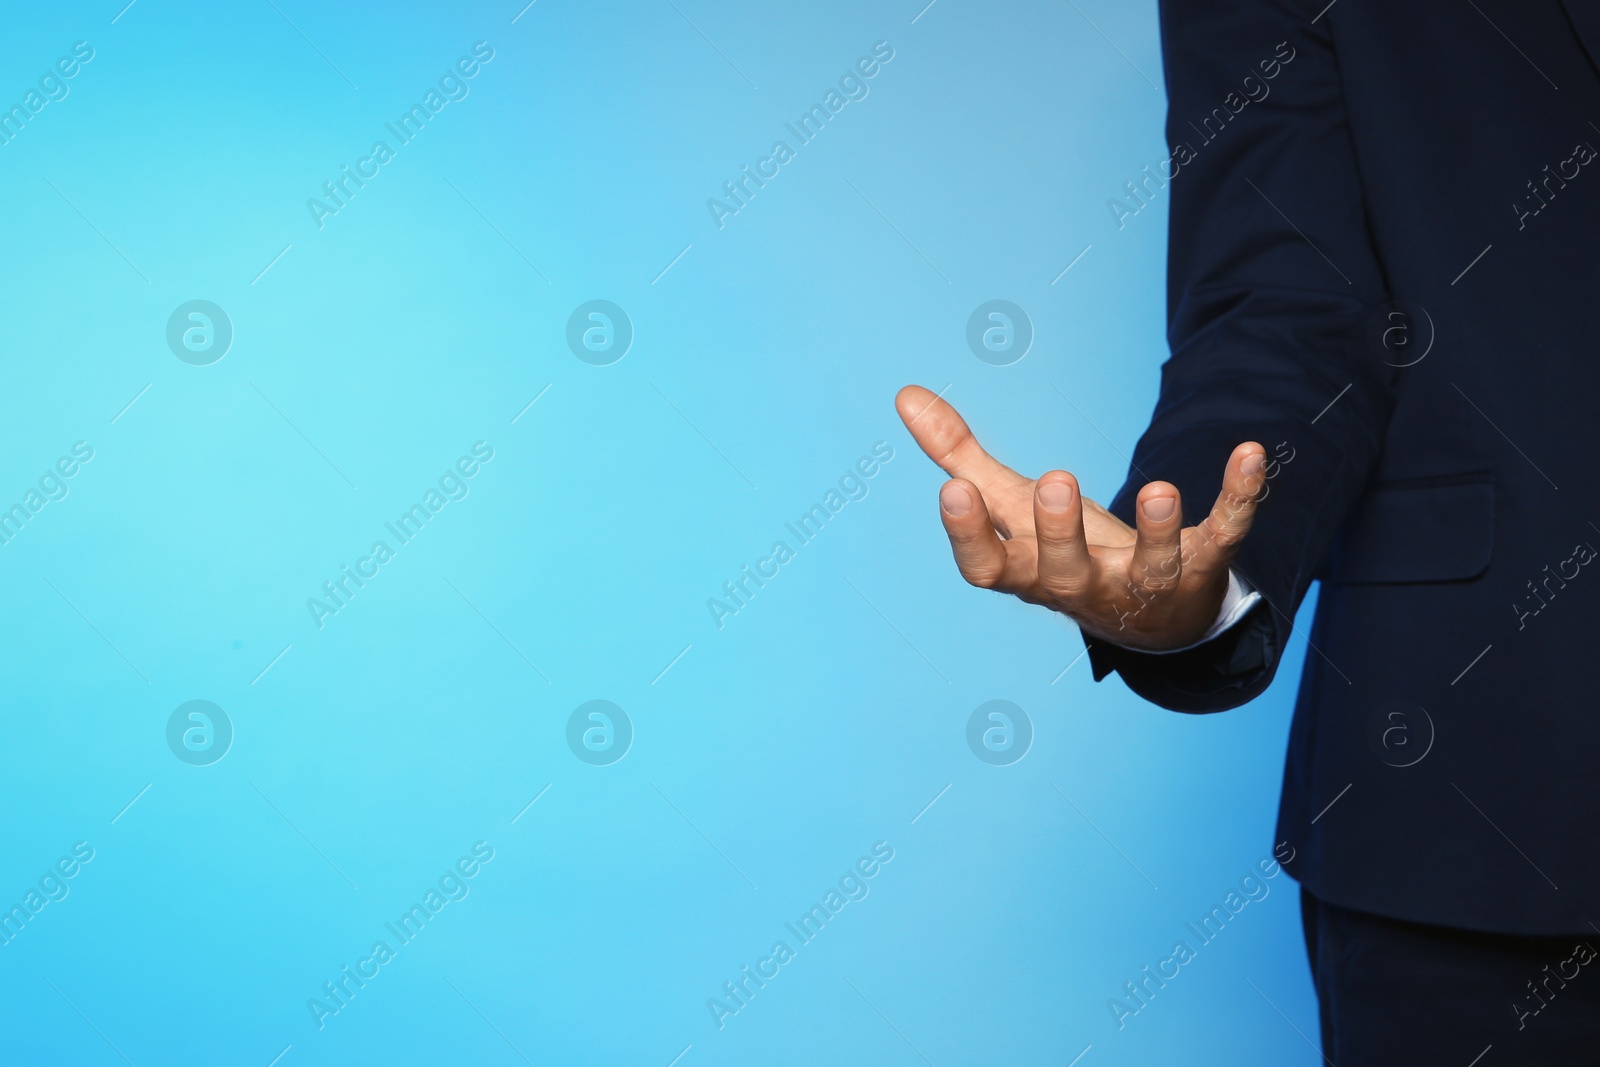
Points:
x=1272, y=288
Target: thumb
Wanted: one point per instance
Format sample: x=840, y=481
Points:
x=1244, y=486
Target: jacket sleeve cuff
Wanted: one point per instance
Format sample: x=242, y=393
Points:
x=1224, y=672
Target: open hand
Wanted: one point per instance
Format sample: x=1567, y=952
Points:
x=1154, y=587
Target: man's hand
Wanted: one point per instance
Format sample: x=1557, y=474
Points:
x=1155, y=587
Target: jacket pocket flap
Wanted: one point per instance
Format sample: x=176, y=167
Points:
x=1426, y=533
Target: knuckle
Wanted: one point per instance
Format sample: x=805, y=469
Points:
x=1233, y=500
x=1233, y=509
x=1057, y=532
x=980, y=576
x=1158, y=556
x=1061, y=586
x=1226, y=534
x=1158, y=586
x=1160, y=576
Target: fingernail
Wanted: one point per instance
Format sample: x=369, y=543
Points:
x=1158, y=508
x=1253, y=464
x=1055, y=496
x=955, y=499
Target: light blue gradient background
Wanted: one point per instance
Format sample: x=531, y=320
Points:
x=790, y=741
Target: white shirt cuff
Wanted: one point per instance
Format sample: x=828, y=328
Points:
x=1236, y=603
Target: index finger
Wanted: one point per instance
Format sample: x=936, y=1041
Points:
x=945, y=437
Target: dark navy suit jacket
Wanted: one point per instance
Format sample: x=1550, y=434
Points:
x=1385, y=267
